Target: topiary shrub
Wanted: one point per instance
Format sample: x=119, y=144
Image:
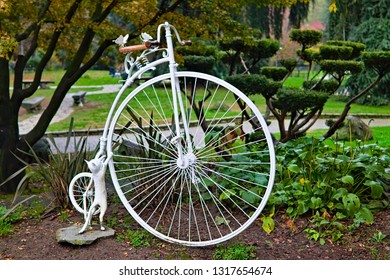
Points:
x=329, y=86
x=357, y=48
x=264, y=48
x=293, y=99
x=336, y=52
x=378, y=61
x=254, y=84
x=199, y=63
x=341, y=67
x=306, y=38
x=289, y=63
x=274, y=73
x=309, y=55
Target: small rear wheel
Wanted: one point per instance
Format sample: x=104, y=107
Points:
x=222, y=183
x=82, y=184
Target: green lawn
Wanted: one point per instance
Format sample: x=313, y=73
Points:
x=90, y=78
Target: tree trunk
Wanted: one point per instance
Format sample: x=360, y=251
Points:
x=271, y=21
x=9, y=133
x=285, y=24
x=9, y=165
x=11, y=143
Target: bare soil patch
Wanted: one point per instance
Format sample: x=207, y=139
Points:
x=34, y=239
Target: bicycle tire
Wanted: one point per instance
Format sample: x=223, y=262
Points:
x=228, y=177
x=77, y=188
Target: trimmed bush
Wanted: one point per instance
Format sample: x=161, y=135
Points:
x=274, y=73
x=289, y=63
x=357, y=48
x=336, y=52
x=237, y=44
x=341, y=67
x=254, y=84
x=293, y=99
x=379, y=61
x=265, y=48
x=329, y=86
x=309, y=55
x=306, y=38
x=199, y=63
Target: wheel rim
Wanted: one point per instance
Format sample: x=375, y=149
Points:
x=77, y=188
x=225, y=178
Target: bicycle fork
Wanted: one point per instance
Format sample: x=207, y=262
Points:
x=187, y=159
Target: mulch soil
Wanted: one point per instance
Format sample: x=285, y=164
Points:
x=35, y=239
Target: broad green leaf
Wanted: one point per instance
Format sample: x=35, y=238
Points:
x=268, y=224
x=294, y=168
x=316, y=202
x=340, y=216
x=351, y=203
x=302, y=207
x=347, y=179
x=302, y=155
x=340, y=193
x=366, y=215
x=221, y=221
x=226, y=195
x=249, y=197
x=261, y=180
x=376, y=189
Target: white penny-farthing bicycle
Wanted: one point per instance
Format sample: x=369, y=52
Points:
x=192, y=158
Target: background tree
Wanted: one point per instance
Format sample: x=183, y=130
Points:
x=343, y=17
x=373, y=31
x=82, y=30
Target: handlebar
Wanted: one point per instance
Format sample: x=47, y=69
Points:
x=155, y=43
x=142, y=47
x=148, y=45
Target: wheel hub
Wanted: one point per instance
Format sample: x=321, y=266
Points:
x=186, y=161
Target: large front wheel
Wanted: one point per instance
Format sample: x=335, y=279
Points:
x=225, y=177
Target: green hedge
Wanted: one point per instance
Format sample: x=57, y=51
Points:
x=306, y=38
x=336, y=52
x=329, y=86
x=378, y=60
x=294, y=99
x=357, y=47
x=289, y=63
x=341, y=66
x=254, y=84
x=199, y=63
x=274, y=73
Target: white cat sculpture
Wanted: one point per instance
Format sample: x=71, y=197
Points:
x=98, y=169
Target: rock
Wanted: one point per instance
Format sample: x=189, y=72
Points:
x=42, y=150
x=71, y=235
x=354, y=128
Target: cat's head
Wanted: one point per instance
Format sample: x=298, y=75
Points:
x=95, y=165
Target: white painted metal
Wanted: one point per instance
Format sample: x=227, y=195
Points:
x=186, y=161
x=190, y=158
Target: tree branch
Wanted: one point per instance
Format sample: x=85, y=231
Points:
x=347, y=107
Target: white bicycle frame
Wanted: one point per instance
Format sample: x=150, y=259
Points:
x=168, y=57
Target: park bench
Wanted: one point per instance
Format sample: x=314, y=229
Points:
x=44, y=84
x=33, y=104
x=79, y=98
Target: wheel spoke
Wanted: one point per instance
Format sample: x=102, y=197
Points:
x=228, y=167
